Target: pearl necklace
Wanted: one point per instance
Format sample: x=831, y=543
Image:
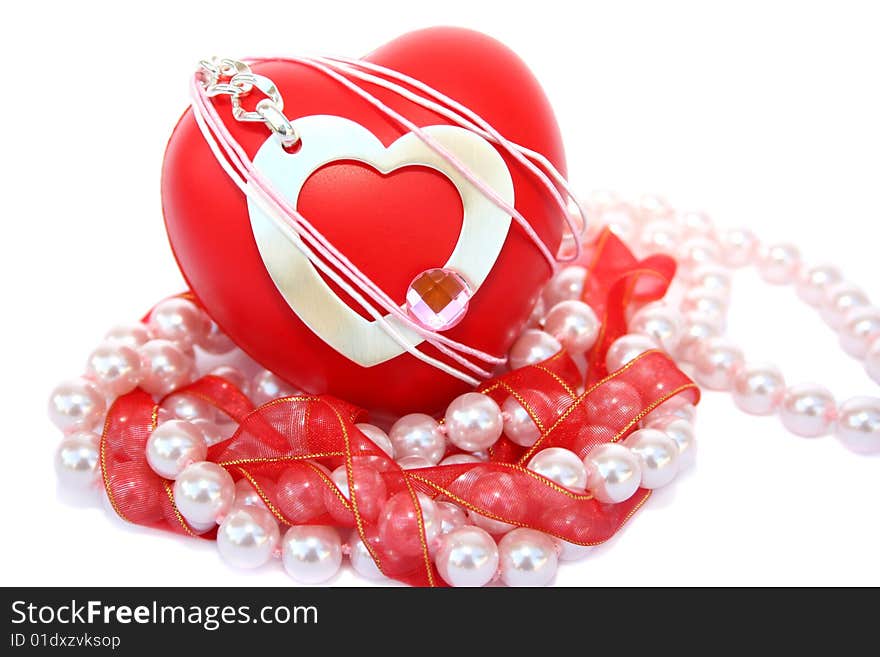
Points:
x=694, y=334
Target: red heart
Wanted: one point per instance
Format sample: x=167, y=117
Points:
x=210, y=231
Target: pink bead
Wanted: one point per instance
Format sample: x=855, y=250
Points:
x=716, y=364
x=473, y=422
x=626, y=348
x=532, y=347
x=779, y=264
x=708, y=303
x=653, y=206
x=399, y=525
x=872, y=361
x=612, y=399
x=567, y=284
x=860, y=328
x=574, y=325
x=369, y=492
x=739, y=247
x=839, y=301
x=659, y=322
x=813, y=283
x=234, y=375
x=451, y=516
x=518, y=424
x=164, y=367
x=678, y=407
x=300, y=493
x=76, y=405
x=697, y=328
x=214, y=432
x=418, y=434
x=660, y=236
x=178, y=320
x=696, y=224
x=438, y=299
x=187, y=407
x=713, y=277
x=132, y=335
x=758, y=389
x=697, y=251
x=115, y=368
x=268, y=386
x=215, y=341
x=621, y=220
x=808, y=410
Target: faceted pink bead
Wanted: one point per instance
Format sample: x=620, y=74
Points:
x=438, y=299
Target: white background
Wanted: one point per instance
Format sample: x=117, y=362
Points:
x=764, y=113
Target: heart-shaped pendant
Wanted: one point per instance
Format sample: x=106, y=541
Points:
x=251, y=278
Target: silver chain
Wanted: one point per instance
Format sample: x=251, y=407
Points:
x=229, y=77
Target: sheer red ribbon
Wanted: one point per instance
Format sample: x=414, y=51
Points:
x=286, y=448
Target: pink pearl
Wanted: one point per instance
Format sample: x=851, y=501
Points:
x=76, y=405
x=378, y=437
x=300, y=493
x=840, y=299
x=574, y=324
x=717, y=363
x=451, y=516
x=473, y=422
x=697, y=224
x=872, y=361
x=697, y=328
x=860, y=328
x=758, y=389
x=620, y=219
x=858, y=424
x=188, y=407
x=438, y=299
x=414, y=462
x=518, y=424
x=164, y=367
x=808, y=410
x=115, y=367
x=214, y=432
x=418, y=434
x=779, y=264
x=813, y=283
x=676, y=407
x=215, y=341
x=132, y=335
x=533, y=346
x=697, y=251
x=178, y=320
x=626, y=348
x=660, y=237
x=653, y=206
x=714, y=278
x=235, y=376
x=399, y=523
x=660, y=323
x=369, y=491
x=269, y=386
x=739, y=247
x=457, y=459
x=708, y=303
x=567, y=284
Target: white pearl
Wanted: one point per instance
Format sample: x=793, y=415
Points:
x=173, y=446
x=115, y=367
x=362, y=560
x=247, y=537
x=527, y=558
x=696, y=224
x=657, y=454
x=739, y=246
x=574, y=324
x=178, y=320
x=76, y=405
x=494, y=527
x=779, y=264
x=473, y=422
x=697, y=251
x=567, y=284
x=418, y=434
x=697, y=329
x=164, y=367
x=758, y=389
x=839, y=301
x=714, y=278
x=76, y=460
x=813, y=283
x=858, y=424
x=311, y=554
x=682, y=433
x=268, y=387
x=132, y=335
x=860, y=328
x=467, y=556
x=456, y=459
x=572, y=551
x=808, y=410
x=613, y=473
x=660, y=236
x=532, y=346
x=872, y=361
x=660, y=323
x=204, y=492
x=377, y=437
x=626, y=348
x=710, y=304
x=562, y=466
x=414, y=462
x=716, y=363
x=518, y=424
x=188, y=407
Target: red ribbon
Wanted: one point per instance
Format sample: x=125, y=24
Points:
x=301, y=436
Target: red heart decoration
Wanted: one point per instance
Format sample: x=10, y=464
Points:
x=392, y=226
